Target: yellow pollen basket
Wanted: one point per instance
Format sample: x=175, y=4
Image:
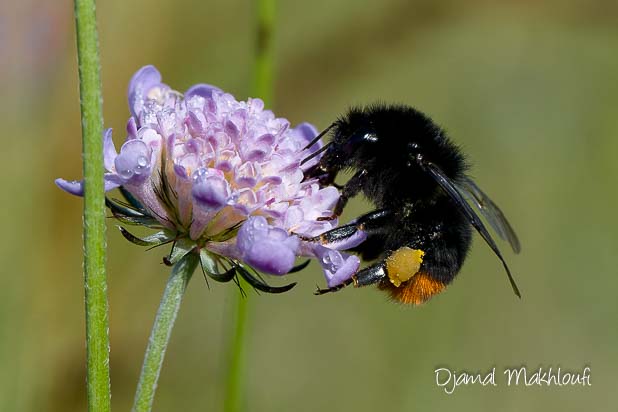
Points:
x=403, y=263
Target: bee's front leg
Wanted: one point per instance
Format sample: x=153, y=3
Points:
x=370, y=223
x=349, y=190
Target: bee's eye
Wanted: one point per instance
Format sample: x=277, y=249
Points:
x=370, y=137
x=358, y=139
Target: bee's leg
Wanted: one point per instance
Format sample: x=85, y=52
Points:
x=350, y=189
x=370, y=223
x=400, y=274
x=368, y=276
x=334, y=288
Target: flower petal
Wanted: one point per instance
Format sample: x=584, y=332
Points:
x=202, y=89
x=133, y=162
x=109, y=150
x=210, y=190
x=142, y=81
x=131, y=128
x=338, y=267
x=76, y=187
x=266, y=248
x=307, y=131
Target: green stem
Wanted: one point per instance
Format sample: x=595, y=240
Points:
x=262, y=87
x=161, y=331
x=97, y=326
x=237, y=356
x=263, y=70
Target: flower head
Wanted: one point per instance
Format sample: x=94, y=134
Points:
x=218, y=176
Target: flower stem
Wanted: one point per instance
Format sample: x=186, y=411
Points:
x=97, y=326
x=262, y=87
x=161, y=331
x=234, y=392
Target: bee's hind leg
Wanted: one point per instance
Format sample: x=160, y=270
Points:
x=346, y=237
x=369, y=276
x=334, y=288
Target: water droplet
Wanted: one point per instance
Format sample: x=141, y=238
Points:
x=125, y=173
x=142, y=162
x=260, y=223
x=199, y=174
x=326, y=259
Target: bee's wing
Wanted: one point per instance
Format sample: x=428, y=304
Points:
x=490, y=211
x=451, y=189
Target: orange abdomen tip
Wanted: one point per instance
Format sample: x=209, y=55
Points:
x=415, y=291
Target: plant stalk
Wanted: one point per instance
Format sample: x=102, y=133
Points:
x=162, y=330
x=95, y=283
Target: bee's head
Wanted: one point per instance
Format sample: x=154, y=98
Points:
x=349, y=146
x=330, y=163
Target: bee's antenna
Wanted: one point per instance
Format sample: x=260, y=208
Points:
x=314, y=154
x=318, y=137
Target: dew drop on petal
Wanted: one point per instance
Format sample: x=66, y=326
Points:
x=233, y=198
x=141, y=164
x=199, y=174
x=259, y=223
x=125, y=173
x=326, y=259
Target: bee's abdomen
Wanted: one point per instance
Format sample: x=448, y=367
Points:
x=419, y=289
x=445, y=240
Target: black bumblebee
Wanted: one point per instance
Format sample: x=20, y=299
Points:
x=416, y=177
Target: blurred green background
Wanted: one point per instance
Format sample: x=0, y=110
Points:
x=527, y=88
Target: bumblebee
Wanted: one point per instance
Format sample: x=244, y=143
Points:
x=426, y=206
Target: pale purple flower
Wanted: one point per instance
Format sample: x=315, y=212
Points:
x=219, y=176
